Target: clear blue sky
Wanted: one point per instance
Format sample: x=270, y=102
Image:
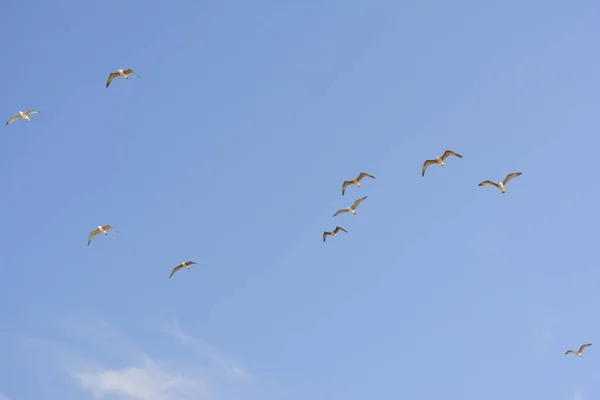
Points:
x=231, y=151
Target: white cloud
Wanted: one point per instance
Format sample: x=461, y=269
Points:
x=108, y=364
x=150, y=381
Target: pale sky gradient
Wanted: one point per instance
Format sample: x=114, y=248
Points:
x=231, y=151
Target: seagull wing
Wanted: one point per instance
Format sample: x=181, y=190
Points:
x=130, y=71
x=340, y=212
x=357, y=202
x=569, y=352
x=189, y=263
x=450, y=153
x=177, y=268
x=107, y=227
x=583, y=346
x=510, y=176
x=13, y=118
x=489, y=183
x=346, y=183
x=325, y=235
x=339, y=228
x=112, y=76
x=29, y=112
x=363, y=174
x=426, y=164
x=92, y=234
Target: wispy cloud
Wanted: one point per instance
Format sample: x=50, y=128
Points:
x=3, y=397
x=107, y=363
x=577, y=395
x=232, y=367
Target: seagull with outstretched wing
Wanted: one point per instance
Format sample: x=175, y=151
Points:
x=185, y=265
x=351, y=208
x=25, y=115
x=122, y=73
x=578, y=352
x=334, y=232
x=439, y=160
x=355, y=181
x=501, y=185
x=100, y=229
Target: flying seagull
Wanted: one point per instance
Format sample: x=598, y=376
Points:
x=351, y=208
x=578, y=352
x=334, y=233
x=355, y=181
x=185, y=265
x=100, y=229
x=122, y=73
x=21, y=114
x=439, y=160
x=501, y=185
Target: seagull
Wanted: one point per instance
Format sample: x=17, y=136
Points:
x=99, y=229
x=185, y=265
x=355, y=181
x=334, y=233
x=501, y=185
x=21, y=114
x=351, y=208
x=122, y=73
x=578, y=352
x=439, y=160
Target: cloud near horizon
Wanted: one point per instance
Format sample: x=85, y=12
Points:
x=121, y=370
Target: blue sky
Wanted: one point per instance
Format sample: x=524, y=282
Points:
x=231, y=151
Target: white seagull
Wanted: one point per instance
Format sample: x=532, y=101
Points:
x=501, y=185
x=578, y=352
x=439, y=160
x=334, y=233
x=122, y=73
x=21, y=114
x=185, y=265
x=351, y=208
x=355, y=181
x=100, y=229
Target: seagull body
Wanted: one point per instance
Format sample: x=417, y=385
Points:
x=355, y=181
x=351, y=208
x=25, y=115
x=578, y=352
x=100, y=229
x=185, y=265
x=122, y=73
x=501, y=185
x=334, y=233
x=439, y=160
